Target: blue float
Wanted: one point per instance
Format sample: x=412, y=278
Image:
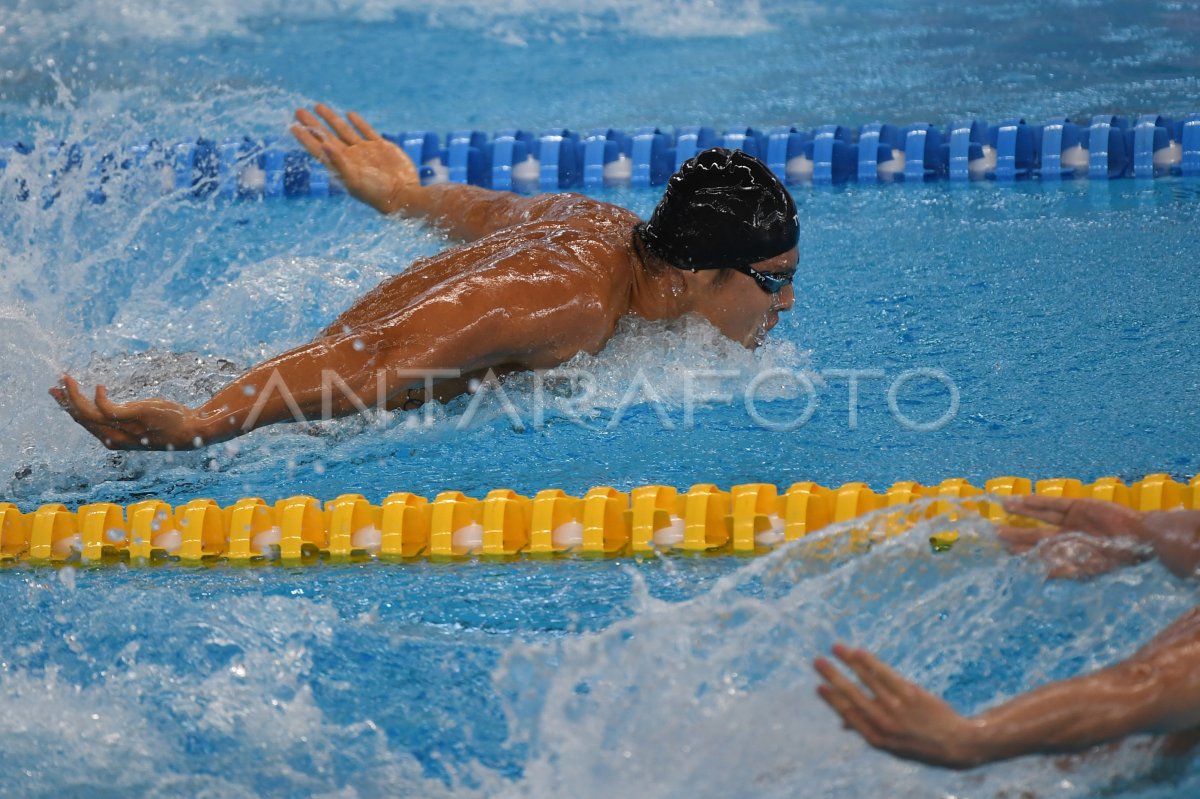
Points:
x=924, y=154
x=1189, y=138
x=274, y=167
x=295, y=173
x=606, y=158
x=510, y=150
x=878, y=144
x=691, y=140
x=1016, y=156
x=832, y=154
x=424, y=148
x=1063, y=151
x=784, y=143
x=968, y=138
x=746, y=139
x=1153, y=153
x=652, y=156
x=557, y=150
x=1108, y=152
x=467, y=157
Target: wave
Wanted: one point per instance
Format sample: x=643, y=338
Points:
x=105, y=21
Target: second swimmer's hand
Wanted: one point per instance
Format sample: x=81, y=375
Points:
x=146, y=424
x=896, y=715
x=370, y=167
x=1075, y=556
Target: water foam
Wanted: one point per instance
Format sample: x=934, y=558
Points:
x=715, y=695
x=130, y=721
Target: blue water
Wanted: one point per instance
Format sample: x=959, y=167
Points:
x=1060, y=314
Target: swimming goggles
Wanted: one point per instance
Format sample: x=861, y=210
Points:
x=770, y=282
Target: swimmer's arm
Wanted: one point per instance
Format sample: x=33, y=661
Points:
x=326, y=378
x=1155, y=691
x=1174, y=535
x=380, y=174
x=337, y=375
x=470, y=212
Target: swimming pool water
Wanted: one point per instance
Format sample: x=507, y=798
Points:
x=1061, y=314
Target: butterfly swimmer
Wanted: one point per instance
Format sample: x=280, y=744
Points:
x=535, y=281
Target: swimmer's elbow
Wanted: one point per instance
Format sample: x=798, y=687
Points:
x=1162, y=692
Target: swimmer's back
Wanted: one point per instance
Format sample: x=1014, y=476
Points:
x=564, y=245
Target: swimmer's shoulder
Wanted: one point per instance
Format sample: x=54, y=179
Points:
x=579, y=209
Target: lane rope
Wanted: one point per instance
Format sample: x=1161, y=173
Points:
x=746, y=519
x=1104, y=147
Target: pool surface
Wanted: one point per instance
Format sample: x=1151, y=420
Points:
x=1061, y=314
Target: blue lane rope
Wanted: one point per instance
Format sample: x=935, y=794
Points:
x=1105, y=147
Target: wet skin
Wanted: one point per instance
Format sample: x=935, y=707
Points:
x=1157, y=690
x=538, y=280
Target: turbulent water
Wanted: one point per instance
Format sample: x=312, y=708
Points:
x=1056, y=312
x=668, y=678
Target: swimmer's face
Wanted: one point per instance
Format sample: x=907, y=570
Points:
x=745, y=311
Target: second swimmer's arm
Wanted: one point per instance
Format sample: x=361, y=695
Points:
x=1155, y=691
x=1073, y=715
x=1175, y=536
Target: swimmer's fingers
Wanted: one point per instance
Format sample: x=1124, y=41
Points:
x=113, y=411
x=1091, y=516
x=1052, y=510
x=338, y=125
x=78, y=405
x=364, y=127
x=81, y=409
x=845, y=697
x=884, y=682
x=309, y=140
x=851, y=718
x=310, y=123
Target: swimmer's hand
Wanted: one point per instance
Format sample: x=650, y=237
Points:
x=896, y=715
x=1075, y=556
x=372, y=168
x=1173, y=534
x=147, y=424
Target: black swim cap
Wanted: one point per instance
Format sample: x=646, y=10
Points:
x=723, y=208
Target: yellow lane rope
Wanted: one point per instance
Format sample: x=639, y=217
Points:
x=604, y=522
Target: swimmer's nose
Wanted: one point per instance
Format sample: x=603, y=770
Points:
x=787, y=298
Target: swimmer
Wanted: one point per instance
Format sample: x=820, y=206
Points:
x=537, y=280
x=1157, y=690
